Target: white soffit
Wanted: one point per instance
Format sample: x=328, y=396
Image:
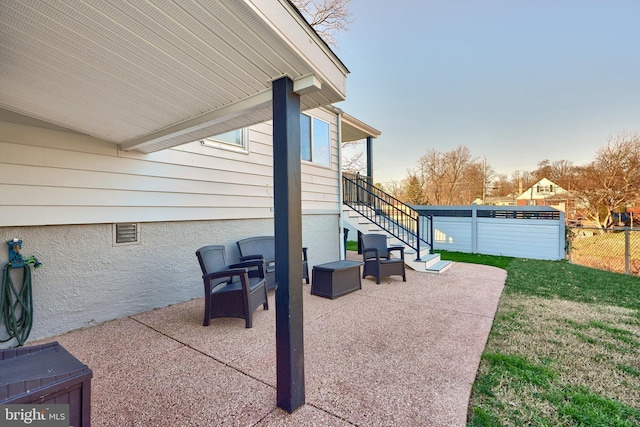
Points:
x=152, y=75
x=355, y=130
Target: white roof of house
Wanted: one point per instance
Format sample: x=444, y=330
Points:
x=541, y=190
x=153, y=75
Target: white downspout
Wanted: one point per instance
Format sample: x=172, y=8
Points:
x=340, y=189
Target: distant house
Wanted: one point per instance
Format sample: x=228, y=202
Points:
x=109, y=171
x=544, y=193
x=630, y=217
x=508, y=200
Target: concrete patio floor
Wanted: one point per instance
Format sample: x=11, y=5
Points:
x=394, y=354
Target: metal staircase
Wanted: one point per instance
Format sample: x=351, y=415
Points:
x=368, y=209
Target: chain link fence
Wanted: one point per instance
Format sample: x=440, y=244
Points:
x=613, y=249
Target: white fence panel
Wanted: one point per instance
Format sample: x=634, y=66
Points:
x=535, y=232
x=523, y=238
x=452, y=234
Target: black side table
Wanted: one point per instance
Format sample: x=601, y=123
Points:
x=334, y=279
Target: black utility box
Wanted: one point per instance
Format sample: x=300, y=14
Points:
x=335, y=279
x=46, y=374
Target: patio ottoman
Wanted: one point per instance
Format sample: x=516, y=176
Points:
x=334, y=279
x=46, y=374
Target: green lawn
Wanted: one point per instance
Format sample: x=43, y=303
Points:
x=352, y=245
x=564, y=349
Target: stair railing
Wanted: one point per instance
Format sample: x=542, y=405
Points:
x=395, y=217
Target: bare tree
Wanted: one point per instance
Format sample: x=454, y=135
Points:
x=327, y=17
x=447, y=178
x=562, y=172
x=431, y=175
x=612, y=180
x=502, y=186
x=352, y=159
x=522, y=180
x=477, y=182
x=395, y=188
x=459, y=164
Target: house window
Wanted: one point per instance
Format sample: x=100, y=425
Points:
x=544, y=189
x=315, y=143
x=237, y=140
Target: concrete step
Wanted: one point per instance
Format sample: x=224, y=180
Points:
x=429, y=263
x=426, y=260
x=440, y=267
x=432, y=265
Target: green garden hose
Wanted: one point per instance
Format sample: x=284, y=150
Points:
x=16, y=306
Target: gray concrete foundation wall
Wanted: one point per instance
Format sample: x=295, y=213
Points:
x=85, y=279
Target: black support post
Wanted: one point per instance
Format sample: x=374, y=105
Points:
x=288, y=241
x=370, y=159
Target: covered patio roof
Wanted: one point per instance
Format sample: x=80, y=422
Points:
x=355, y=130
x=153, y=75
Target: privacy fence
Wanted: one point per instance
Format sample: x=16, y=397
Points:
x=536, y=232
x=613, y=249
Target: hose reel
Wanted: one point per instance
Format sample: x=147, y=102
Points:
x=16, y=304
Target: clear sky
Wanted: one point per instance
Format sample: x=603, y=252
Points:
x=516, y=81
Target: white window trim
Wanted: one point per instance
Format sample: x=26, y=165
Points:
x=214, y=143
x=312, y=161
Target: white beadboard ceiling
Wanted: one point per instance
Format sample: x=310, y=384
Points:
x=150, y=75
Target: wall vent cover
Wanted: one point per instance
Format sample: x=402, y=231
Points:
x=126, y=234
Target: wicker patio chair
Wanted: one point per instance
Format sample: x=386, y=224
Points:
x=377, y=257
x=228, y=289
x=265, y=247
